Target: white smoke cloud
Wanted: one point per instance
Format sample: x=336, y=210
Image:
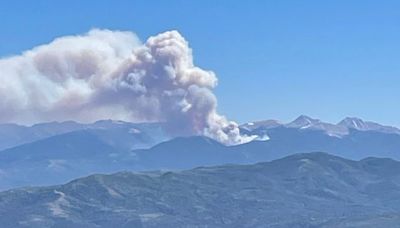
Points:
x=111, y=75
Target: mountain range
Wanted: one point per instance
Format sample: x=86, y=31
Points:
x=53, y=153
x=307, y=123
x=302, y=190
x=124, y=135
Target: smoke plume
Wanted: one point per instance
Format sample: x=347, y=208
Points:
x=111, y=75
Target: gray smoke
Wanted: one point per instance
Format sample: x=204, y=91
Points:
x=111, y=75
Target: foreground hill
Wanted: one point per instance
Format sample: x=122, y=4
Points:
x=303, y=190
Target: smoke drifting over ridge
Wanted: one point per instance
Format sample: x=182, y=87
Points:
x=111, y=74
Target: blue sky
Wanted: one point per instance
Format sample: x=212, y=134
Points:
x=274, y=59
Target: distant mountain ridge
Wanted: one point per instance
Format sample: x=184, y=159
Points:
x=137, y=135
x=302, y=190
x=307, y=123
x=63, y=157
x=112, y=146
x=145, y=135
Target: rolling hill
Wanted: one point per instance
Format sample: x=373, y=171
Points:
x=302, y=190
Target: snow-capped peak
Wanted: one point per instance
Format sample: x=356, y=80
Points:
x=361, y=125
x=303, y=122
x=355, y=123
